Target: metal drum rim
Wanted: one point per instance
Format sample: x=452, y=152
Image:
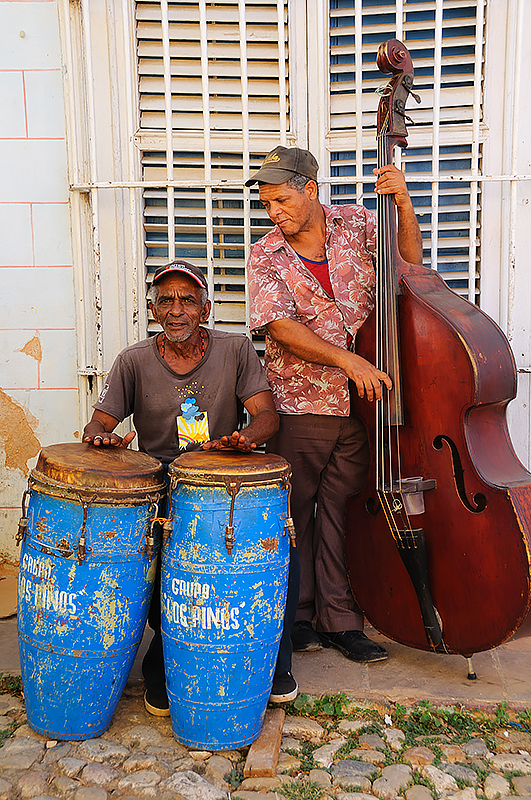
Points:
x=99, y=496
x=202, y=479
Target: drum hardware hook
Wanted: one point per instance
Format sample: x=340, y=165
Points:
x=82, y=548
x=232, y=487
x=289, y=524
x=149, y=546
x=23, y=521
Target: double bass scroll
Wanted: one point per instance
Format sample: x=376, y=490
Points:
x=438, y=542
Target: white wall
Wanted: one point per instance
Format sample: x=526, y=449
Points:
x=38, y=380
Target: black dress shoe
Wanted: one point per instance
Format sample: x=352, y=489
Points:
x=355, y=645
x=304, y=639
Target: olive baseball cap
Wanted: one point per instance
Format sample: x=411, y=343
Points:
x=282, y=163
x=181, y=266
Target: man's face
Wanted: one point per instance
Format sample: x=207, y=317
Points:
x=178, y=307
x=286, y=207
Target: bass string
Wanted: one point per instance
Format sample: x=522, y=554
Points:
x=388, y=458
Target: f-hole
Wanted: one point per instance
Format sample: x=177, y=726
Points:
x=459, y=477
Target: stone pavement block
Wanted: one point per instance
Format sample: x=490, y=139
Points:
x=370, y=756
x=103, y=750
x=90, y=793
x=418, y=792
x=344, y=771
x=142, y=782
x=460, y=772
x=522, y=784
x=71, y=766
x=192, y=787
x=496, y=786
x=21, y=753
x=261, y=784
x=354, y=796
x=302, y=728
x=324, y=755
x=32, y=783
x=287, y=763
x=418, y=755
x=321, y=777
x=99, y=774
x=507, y=762
x=475, y=747
x=441, y=780
x=63, y=786
x=394, y=778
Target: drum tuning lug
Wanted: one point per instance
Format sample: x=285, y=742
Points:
x=23, y=521
x=150, y=544
x=81, y=550
x=290, y=527
x=22, y=530
x=229, y=538
x=166, y=530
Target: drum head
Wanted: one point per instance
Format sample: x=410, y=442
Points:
x=217, y=466
x=88, y=467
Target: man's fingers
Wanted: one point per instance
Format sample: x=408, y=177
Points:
x=128, y=438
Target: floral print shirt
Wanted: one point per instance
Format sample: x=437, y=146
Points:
x=281, y=287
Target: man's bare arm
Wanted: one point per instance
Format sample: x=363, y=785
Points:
x=99, y=431
x=392, y=181
x=302, y=342
x=263, y=425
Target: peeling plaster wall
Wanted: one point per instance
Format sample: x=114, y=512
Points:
x=38, y=371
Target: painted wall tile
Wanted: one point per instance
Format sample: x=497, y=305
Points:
x=13, y=118
x=8, y=523
x=38, y=298
x=51, y=231
x=55, y=412
x=44, y=104
x=19, y=367
x=15, y=235
x=58, y=367
x=33, y=171
x=39, y=47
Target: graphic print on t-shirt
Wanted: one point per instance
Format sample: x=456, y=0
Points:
x=192, y=424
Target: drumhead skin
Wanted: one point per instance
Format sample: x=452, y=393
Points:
x=213, y=466
x=85, y=467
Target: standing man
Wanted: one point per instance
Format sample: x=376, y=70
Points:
x=184, y=388
x=311, y=281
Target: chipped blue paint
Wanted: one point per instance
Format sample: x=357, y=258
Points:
x=80, y=624
x=222, y=614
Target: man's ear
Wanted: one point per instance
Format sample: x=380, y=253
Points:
x=311, y=189
x=153, y=309
x=205, y=312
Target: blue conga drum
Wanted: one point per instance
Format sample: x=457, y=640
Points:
x=87, y=567
x=224, y=583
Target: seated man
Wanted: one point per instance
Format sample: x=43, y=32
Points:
x=184, y=388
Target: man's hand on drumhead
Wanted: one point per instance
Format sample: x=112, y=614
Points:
x=109, y=439
x=237, y=441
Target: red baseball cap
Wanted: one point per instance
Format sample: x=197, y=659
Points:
x=181, y=266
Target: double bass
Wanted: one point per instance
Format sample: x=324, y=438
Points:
x=438, y=542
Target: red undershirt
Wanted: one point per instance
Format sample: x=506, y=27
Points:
x=319, y=270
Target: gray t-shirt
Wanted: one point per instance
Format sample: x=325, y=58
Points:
x=173, y=413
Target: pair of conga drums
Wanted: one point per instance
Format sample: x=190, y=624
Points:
x=90, y=541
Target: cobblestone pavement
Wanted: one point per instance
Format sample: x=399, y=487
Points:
x=339, y=749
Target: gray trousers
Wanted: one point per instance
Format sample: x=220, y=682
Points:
x=329, y=457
